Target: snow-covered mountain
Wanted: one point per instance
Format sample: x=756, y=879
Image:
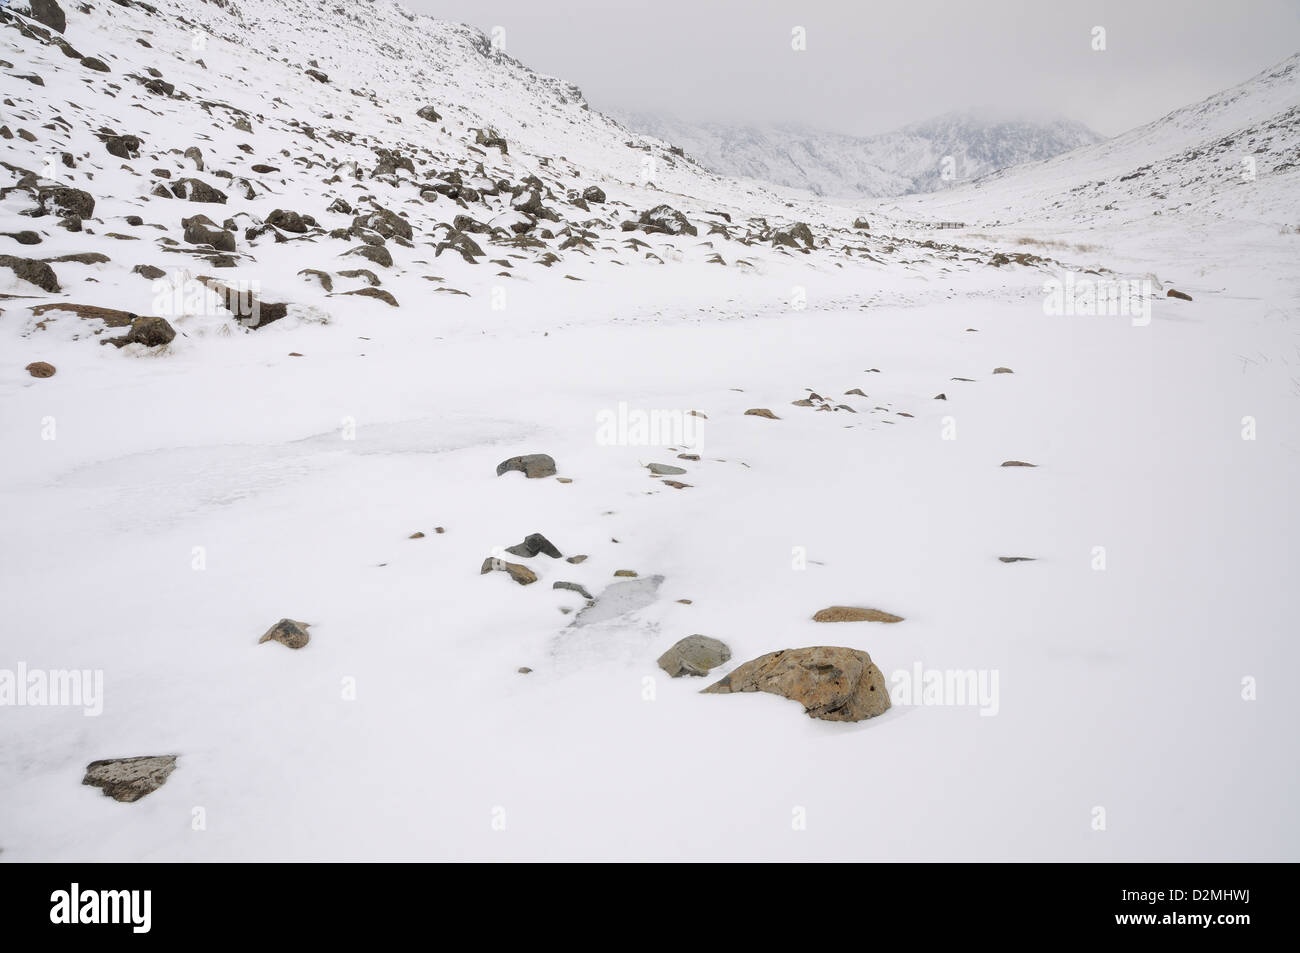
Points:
x=922, y=157
x=1233, y=155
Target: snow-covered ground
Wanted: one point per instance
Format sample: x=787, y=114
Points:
x=193, y=495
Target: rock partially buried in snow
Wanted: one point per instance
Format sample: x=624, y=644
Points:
x=533, y=465
x=520, y=574
x=1173, y=293
x=761, y=412
x=533, y=544
x=129, y=779
x=664, y=469
x=40, y=369
x=832, y=683
x=855, y=614
x=694, y=655
x=1003, y=370
x=1018, y=463
x=287, y=632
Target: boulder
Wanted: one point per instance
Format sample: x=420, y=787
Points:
x=832, y=683
x=40, y=369
x=34, y=270
x=428, y=113
x=694, y=655
x=533, y=465
x=129, y=779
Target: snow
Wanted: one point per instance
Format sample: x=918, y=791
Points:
x=404, y=730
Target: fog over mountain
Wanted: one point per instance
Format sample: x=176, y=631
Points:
x=926, y=156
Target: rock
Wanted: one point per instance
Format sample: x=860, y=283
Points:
x=379, y=293
x=664, y=469
x=149, y=271
x=593, y=193
x=576, y=559
x=523, y=670
x=198, y=234
x=385, y=223
x=25, y=237
x=854, y=614
x=40, y=369
x=490, y=139
x=1003, y=370
x=677, y=486
x=288, y=221
x=533, y=544
x=520, y=574
x=428, y=113
x=1172, y=293
x=34, y=270
x=81, y=258
x=376, y=254
x=195, y=155
x=832, y=683
x=629, y=573
x=1018, y=463
x=65, y=200
x=862, y=223
x=129, y=779
x=416, y=535
x=323, y=277
x=98, y=65
x=151, y=331
x=666, y=219
x=940, y=397
x=196, y=190
x=694, y=655
x=49, y=13
x=761, y=412
x=124, y=147
x=111, y=317
x=573, y=587
x=341, y=206
x=1017, y=559
x=364, y=273
x=317, y=75
x=533, y=465
x=287, y=632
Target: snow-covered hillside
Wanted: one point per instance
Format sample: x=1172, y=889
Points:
x=1234, y=155
x=353, y=263
x=928, y=156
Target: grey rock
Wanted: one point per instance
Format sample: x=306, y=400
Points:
x=533, y=465
x=129, y=779
x=694, y=655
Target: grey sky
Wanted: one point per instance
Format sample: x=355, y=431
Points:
x=871, y=66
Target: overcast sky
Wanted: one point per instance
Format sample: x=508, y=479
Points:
x=871, y=66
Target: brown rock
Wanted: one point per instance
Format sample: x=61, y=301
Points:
x=40, y=369
x=287, y=632
x=832, y=683
x=1018, y=463
x=761, y=412
x=520, y=574
x=855, y=614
